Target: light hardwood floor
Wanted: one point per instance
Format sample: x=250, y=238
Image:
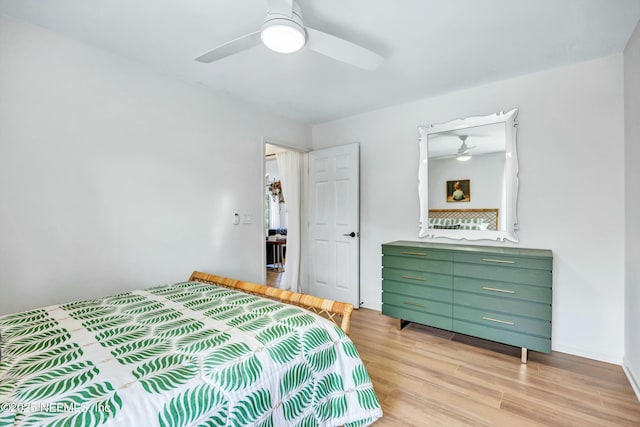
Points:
x=429, y=377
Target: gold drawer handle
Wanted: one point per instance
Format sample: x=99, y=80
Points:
x=491, y=319
x=501, y=261
x=414, y=253
x=422, y=279
x=414, y=303
x=506, y=291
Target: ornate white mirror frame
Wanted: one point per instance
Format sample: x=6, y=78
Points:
x=506, y=226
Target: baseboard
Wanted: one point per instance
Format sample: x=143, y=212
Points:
x=633, y=377
x=602, y=357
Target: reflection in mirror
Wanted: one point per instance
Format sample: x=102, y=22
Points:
x=473, y=155
x=468, y=178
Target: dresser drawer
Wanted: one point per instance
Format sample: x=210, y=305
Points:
x=531, y=342
x=506, y=322
x=416, y=253
x=417, y=291
x=504, y=274
x=417, y=304
x=418, y=277
x=503, y=289
x=442, y=322
x=503, y=305
x=505, y=261
x=414, y=264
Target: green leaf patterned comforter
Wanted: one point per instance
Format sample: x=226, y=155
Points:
x=188, y=354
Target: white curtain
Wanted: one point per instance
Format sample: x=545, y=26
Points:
x=276, y=214
x=290, y=169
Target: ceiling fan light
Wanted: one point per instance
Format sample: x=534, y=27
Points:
x=463, y=157
x=283, y=35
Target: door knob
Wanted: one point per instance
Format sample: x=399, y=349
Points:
x=352, y=234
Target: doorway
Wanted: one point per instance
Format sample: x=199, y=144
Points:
x=324, y=224
x=275, y=218
x=284, y=193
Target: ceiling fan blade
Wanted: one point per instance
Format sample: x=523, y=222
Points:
x=446, y=156
x=230, y=48
x=463, y=147
x=280, y=7
x=342, y=50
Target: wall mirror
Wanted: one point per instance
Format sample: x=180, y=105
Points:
x=468, y=178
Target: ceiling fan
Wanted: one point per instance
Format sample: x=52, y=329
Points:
x=284, y=31
x=464, y=148
x=463, y=153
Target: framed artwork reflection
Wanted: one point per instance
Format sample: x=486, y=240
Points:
x=459, y=190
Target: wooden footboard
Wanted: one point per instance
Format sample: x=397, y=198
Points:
x=332, y=310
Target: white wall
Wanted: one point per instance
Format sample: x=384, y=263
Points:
x=571, y=151
x=113, y=177
x=632, y=179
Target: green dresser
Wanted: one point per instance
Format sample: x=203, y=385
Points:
x=495, y=293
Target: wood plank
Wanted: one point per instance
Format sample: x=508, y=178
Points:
x=426, y=376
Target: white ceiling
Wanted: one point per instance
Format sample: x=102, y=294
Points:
x=430, y=46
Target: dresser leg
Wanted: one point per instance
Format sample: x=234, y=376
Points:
x=402, y=323
x=523, y=355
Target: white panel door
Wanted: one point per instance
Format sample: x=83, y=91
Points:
x=334, y=223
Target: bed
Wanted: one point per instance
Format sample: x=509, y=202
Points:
x=464, y=219
x=208, y=351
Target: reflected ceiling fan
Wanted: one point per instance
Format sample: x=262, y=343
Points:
x=464, y=148
x=464, y=151
x=284, y=31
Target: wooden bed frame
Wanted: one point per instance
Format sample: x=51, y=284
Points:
x=332, y=310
